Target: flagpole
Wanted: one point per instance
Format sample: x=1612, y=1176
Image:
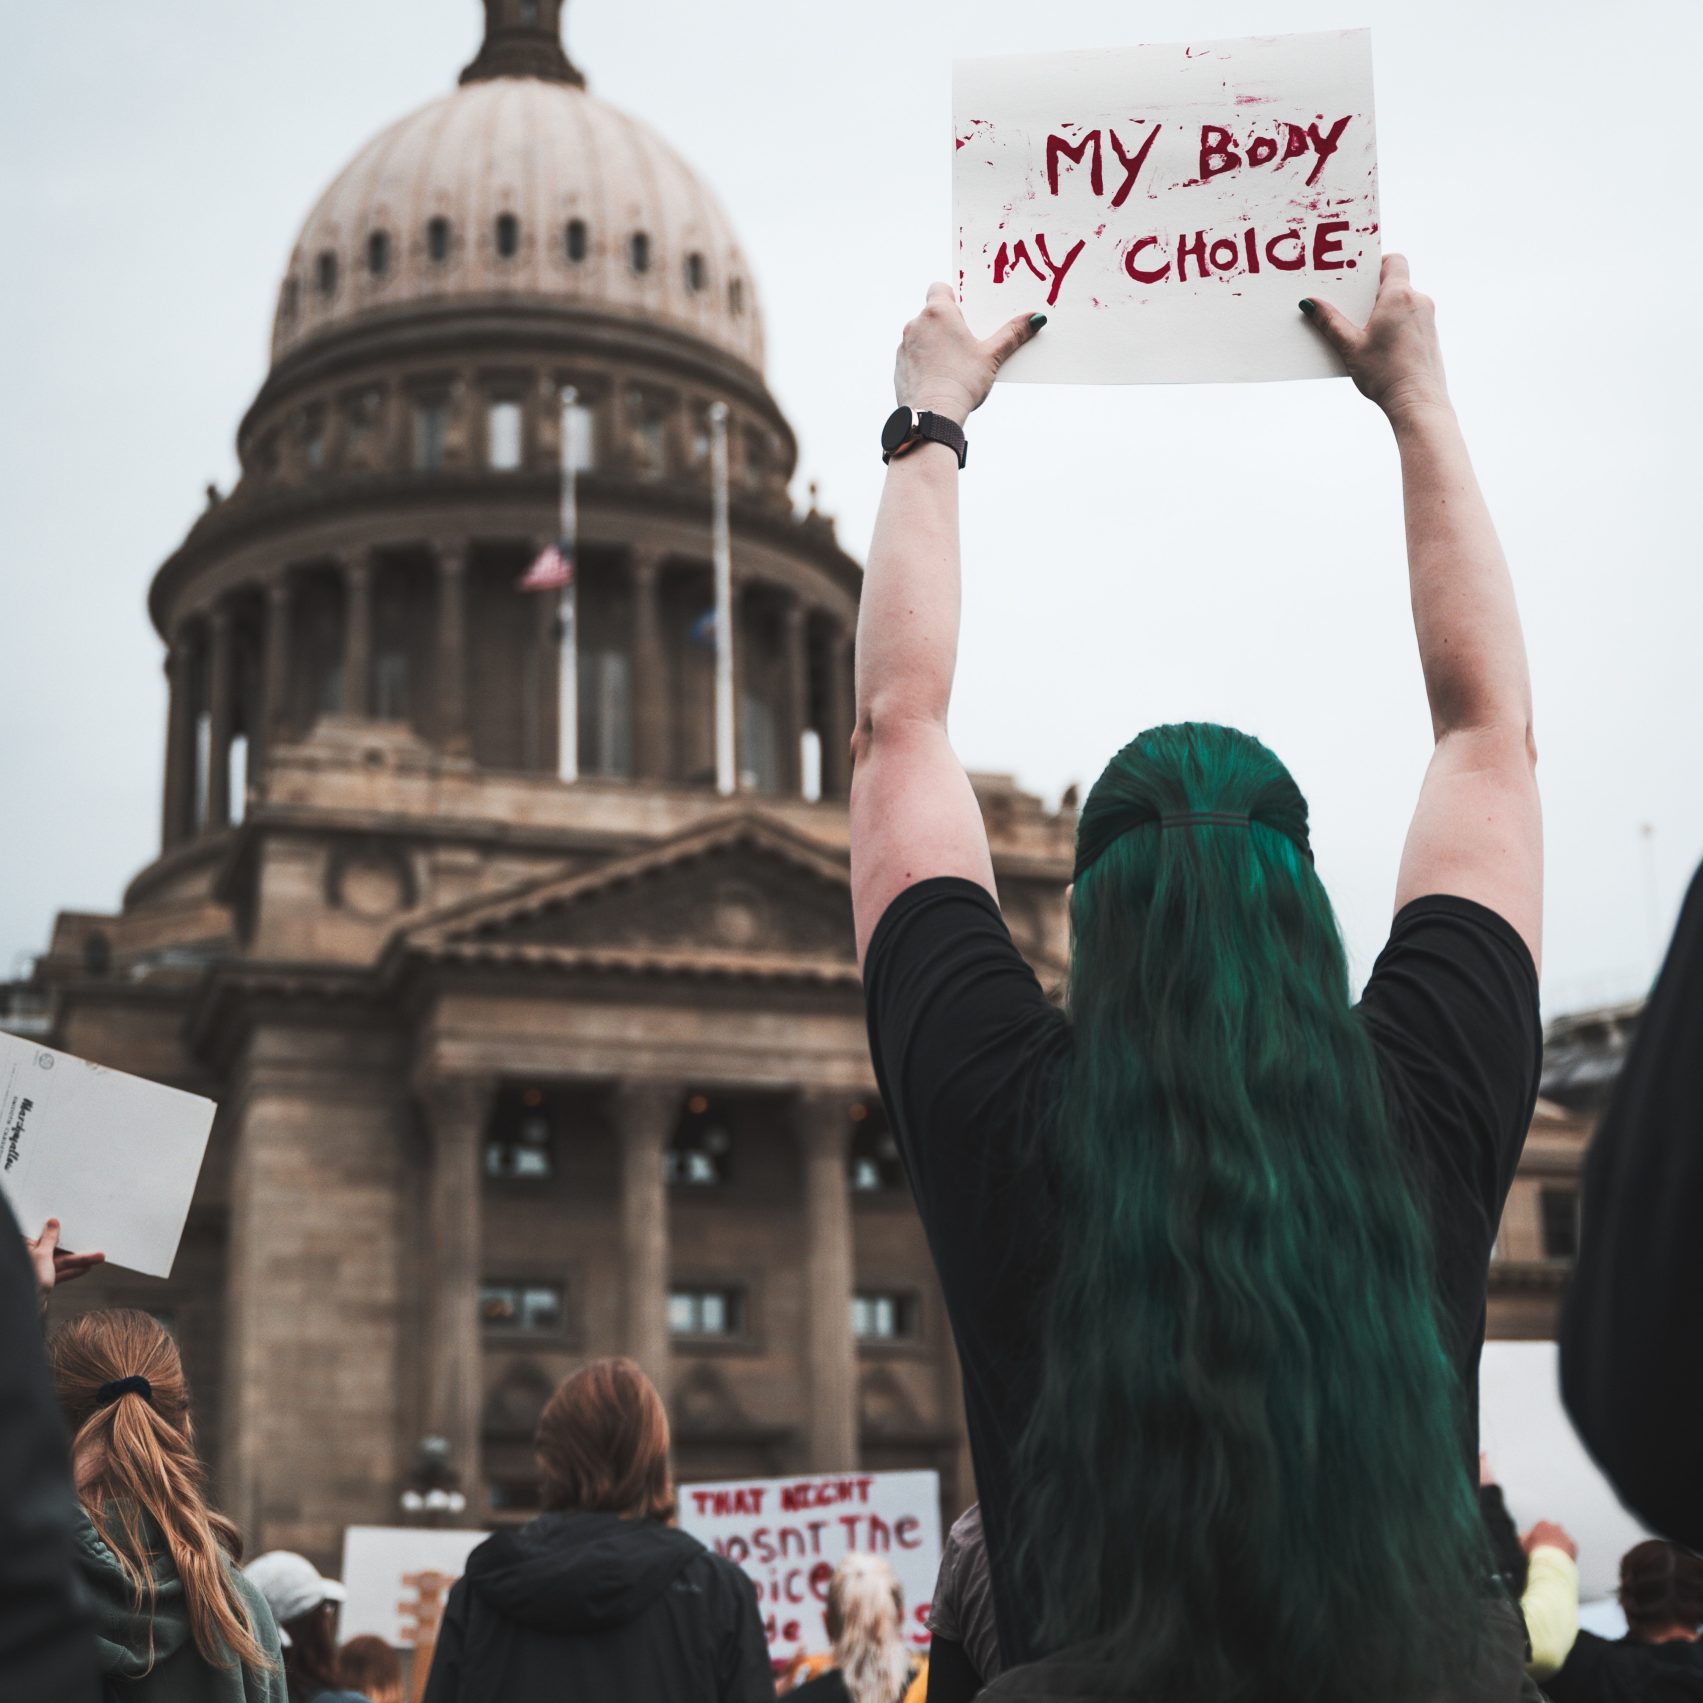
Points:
x=567, y=605
x=726, y=757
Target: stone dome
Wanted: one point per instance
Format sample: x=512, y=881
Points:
x=516, y=188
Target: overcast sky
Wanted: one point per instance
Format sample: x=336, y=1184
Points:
x=1131, y=556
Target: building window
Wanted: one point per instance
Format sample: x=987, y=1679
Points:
x=437, y=239
x=705, y=1312
x=508, y=236
x=378, y=253
x=390, y=686
x=431, y=428
x=503, y=435
x=874, y=1164
x=650, y=434
x=579, y=240
x=638, y=251
x=582, y=436
x=529, y=11
x=1560, y=1213
x=698, y=1155
x=522, y=1143
x=882, y=1316
x=532, y=1308
x=736, y=295
x=325, y=273
x=759, y=743
x=515, y=1496
x=696, y=272
x=605, y=714
x=313, y=438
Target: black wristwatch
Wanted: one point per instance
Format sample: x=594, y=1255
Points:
x=905, y=426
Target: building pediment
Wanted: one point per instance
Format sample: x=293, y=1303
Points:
x=740, y=895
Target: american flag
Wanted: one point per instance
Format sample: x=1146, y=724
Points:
x=553, y=570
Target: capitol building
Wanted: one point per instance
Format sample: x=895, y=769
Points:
x=514, y=1070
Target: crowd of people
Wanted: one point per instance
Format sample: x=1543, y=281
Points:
x=1213, y=1239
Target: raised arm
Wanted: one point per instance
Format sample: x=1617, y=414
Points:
x=1478, y=828
x=913, y=812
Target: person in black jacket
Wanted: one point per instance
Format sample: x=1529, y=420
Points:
x=1631, y=1329
x=47, y=1646
x=600, y=1596
x=1660, y=1659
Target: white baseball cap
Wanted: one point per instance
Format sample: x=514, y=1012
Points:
x=291, y=1585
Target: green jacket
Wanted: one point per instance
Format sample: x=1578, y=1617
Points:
x=177, y=1672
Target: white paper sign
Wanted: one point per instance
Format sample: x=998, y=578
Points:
x=1542, y=1466
x=790, y=1533
x=1167, y=207
x=114, y=1158
x=398, y=1579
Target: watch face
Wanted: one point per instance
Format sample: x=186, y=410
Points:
x=900, y=424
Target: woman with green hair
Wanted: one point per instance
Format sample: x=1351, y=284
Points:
x=1213, y=1239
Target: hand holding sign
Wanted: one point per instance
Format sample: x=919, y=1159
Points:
x=53, y=1264
x=943, y=368
x=1169, y=204
x=1394, y=358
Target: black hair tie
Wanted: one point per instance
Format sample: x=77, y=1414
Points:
x=123, y=1387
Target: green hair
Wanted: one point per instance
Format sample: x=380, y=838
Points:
x=1245, y=1475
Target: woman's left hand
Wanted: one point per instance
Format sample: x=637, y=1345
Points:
x=54, y=1264
x=942, y=368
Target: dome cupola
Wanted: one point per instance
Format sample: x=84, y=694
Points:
x=519, y=188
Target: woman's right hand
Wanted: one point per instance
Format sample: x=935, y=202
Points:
x=1394, y=358
x=54, y=1264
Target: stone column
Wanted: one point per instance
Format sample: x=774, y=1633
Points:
x=651, y=697
x=456, y=1110
x=221, y=690
x=795, y=706
x=452, y=647
x=644, y=1121
x=180, y=744
x=357, y=637
x=837, y=699
x=276, y=687
x=824, y=1136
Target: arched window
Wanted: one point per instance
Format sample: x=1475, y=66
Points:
x=326, y=273
x=437, y=239
x=378, y=253
x=696, y=272
x=578, y=240
x=736, y=295
x=874, y=1166
x=638, y=251
x=698, y=1155
x=508, y=236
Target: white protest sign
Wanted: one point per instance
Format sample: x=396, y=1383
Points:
x=1542, y=1466
x=112, y=1157
x=398, y=1580
x=790, y=1533
x=1167, y=207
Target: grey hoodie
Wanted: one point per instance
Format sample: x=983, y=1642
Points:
x=173, y=1671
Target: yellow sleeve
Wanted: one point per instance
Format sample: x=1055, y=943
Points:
x=1551, y=1609
x=917, y=1690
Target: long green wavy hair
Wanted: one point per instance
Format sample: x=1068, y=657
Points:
x=1244, y=1478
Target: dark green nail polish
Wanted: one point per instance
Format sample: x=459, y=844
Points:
x=1036, y=321
x=1306, y=305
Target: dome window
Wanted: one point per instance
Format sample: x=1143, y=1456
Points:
x=437, y=239
x=638, y=251
x=508, y=236
x=579, y=240
x=326, y=273
x=378, y=253
x=696, y=272
x=736, y=295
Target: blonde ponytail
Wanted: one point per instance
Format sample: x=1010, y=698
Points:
x=135, y=1450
